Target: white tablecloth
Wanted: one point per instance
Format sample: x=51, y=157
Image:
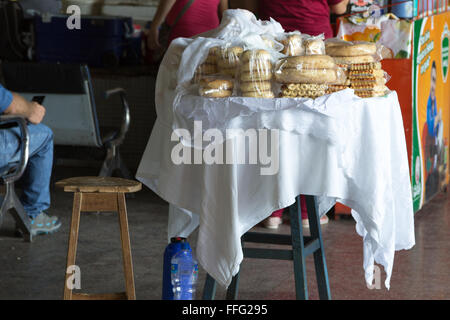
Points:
x=336, y=147
x=364, y=166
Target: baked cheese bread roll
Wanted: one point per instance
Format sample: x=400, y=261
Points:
x=215, y=93
x=230, y=52
x=253, y=76
x=291, y=75
x=216, y=83
x=256, y=66
x=351, y=49
x=257, y=86
x=306, y=62
x=260, y=55
x=293, y=45
x=206, y=68
x=314, y=46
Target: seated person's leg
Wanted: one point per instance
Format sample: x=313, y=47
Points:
x=36, y=178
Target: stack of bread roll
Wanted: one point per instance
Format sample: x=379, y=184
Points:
x=365, y=75
x=256, y=74
x=215, y=87
x=228, y=60
x=306, y=76
x=209, y=66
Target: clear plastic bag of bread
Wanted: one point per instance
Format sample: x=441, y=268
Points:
x=216, y=86
x=255, y=76
x=292, y=43
x=311, y=69
x=353, y=52
x=208, y=66
x=314, y=44
x=228, y=59
x=271, y=43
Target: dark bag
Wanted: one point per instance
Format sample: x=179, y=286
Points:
x=12, y=26
x=165, y=30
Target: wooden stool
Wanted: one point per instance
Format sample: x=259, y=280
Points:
x=101, y=194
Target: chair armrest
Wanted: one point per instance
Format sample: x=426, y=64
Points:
x=24, y=145
x=120, y=136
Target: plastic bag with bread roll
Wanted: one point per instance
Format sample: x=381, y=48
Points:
x=255, y=74
x=228, y=59
x=216, y=86
x=292, y=43
x=354, y=51
x=312, y=69
x=314, y=44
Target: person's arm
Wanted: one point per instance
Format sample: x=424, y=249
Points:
x=31, y=110
x=160, y=15
x=339, y=8
x=223, y=5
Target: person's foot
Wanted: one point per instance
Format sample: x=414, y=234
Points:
x=272, y=222
x=323, y=220
x=43, y=224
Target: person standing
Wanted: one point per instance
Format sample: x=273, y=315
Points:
x=307, y=16
x=200, y=16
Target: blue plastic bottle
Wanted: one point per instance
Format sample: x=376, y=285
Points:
x=184, y=274
x=173, y=247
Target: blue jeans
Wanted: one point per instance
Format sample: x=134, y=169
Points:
x=36, y=178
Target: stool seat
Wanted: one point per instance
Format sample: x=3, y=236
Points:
x=99, y=184
x=99, y=194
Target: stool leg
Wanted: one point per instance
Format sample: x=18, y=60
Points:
x=301, y=286
x=232, y=292
x=73, y=239
x=209, y=291
x=126, y=247
x=319, y=255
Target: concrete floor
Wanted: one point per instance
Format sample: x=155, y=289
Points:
x=36, y=270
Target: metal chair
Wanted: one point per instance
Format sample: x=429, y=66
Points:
x=302, y=246
x=71, y=109
x=11, y=174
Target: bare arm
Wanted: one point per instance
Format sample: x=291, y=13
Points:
x=339, y=8
x=32, y=111
x=160, y=15
x=223, y=5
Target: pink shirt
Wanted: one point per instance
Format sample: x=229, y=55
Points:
x=201, y=16
x=307, y=16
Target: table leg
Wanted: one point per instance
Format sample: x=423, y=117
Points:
x=301, y=286
x=319, y=254
x=209, y=291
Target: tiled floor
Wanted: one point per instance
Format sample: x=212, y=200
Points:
x=36, y=270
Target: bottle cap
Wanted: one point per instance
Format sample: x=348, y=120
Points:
x=177, y=239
